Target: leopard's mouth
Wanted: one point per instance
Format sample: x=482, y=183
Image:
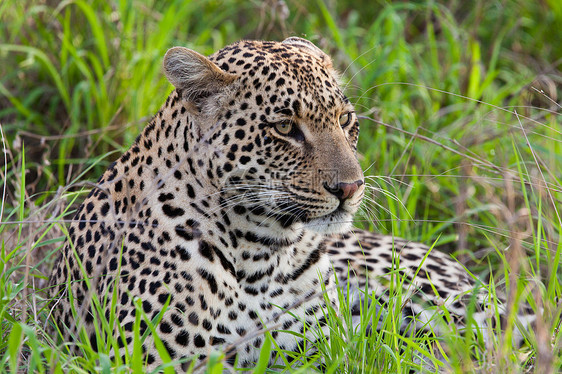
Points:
x=289, y=208
x=339, y=216
x=337, y=220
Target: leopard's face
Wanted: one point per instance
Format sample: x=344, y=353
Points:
x=284, y=137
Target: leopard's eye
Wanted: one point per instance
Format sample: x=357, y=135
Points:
x=345, y=119
x=284, y=128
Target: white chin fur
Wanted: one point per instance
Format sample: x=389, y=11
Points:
x=331, y=224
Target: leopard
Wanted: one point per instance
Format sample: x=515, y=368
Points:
x=232, y=214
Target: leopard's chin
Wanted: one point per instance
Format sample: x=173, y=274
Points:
x=336, y=222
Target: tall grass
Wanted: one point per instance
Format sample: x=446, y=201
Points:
x=460, y=140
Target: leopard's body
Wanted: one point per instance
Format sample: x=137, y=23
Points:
x=232, y=206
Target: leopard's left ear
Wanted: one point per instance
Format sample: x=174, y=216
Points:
x=195, y=75
x=309, y=47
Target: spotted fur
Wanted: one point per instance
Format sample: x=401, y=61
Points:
x=232, y=206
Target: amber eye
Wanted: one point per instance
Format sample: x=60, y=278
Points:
x=284, y=128
x=345, y=119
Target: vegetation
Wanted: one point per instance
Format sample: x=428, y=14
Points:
x=460, y=140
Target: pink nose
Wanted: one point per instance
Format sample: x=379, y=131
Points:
x=344, y=191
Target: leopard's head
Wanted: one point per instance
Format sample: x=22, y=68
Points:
x=281, y=136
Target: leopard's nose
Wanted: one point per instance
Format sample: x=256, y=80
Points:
x=344, y=191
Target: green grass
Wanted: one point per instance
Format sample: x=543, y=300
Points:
x=461, y=140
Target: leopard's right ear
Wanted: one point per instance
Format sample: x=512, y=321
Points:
x=194, y=75
x=308, y=46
